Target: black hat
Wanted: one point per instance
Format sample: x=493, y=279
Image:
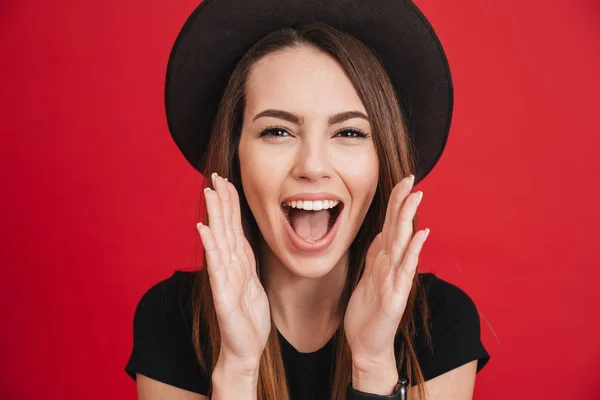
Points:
x=219, y=32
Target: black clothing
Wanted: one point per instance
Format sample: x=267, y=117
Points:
x=162, y=345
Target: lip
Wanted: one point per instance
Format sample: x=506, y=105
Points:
x=320, y=244
x=312, y=196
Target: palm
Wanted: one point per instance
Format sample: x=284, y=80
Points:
x=242, y=307
x=374, y=300
x=241, y=303
x=379, y=300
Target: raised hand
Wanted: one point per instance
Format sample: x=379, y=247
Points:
x=379, y=300
x=241, y=303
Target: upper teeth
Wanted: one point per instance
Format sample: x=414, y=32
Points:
x=312, y=205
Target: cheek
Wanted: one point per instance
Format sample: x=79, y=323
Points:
x=362, y=185
x=258, y=180
x=360, y=171
x=250, y=174
x=361, y=177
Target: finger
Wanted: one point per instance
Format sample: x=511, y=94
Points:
x=374, y=249
x=214, y=265
x=397, y=197
x=406, y=273
x=216, y=224
x=236, y=224
x=402, y=228
x=221, y=187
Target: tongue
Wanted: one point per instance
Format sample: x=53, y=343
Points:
x=310, y=225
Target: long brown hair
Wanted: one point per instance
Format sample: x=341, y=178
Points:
x=396, y=161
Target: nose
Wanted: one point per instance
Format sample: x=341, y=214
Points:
x=313, y=161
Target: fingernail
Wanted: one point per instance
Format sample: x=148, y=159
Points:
x=199, y=225
x=412, y=179
x=225, y=179
x=420, y=197
x=426, y=234
x=206, y=190
x=212, y=177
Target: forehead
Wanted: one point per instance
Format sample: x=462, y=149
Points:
x=301, y=79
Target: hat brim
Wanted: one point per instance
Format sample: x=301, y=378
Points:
x=219, y=32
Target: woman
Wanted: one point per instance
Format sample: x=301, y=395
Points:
x=310, y=289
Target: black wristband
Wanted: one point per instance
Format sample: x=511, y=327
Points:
x=400, y=393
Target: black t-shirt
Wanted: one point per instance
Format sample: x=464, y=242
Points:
x=163, y=350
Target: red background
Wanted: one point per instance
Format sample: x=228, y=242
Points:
x=99, y=205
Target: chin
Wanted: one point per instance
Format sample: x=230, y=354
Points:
x=311, y=266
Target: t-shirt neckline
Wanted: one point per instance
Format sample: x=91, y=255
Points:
x=324, y=348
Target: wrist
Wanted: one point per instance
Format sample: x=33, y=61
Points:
x=235, y=366
x=234, y=380
x=377, y=377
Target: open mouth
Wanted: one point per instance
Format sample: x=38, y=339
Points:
x=312, y=225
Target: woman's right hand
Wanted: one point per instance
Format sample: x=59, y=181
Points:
x=240, y=300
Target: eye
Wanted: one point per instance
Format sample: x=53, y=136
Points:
x=276, y=131
x=352, y=133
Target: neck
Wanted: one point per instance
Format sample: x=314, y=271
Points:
x=304, y=310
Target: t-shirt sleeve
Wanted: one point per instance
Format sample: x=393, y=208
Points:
x=455, y=331
x=162, y=341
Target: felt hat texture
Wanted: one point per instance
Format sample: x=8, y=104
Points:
x=219, y=32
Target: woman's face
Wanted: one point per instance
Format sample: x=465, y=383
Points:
x=301, y=150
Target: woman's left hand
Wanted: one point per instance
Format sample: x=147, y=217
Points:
x=379, y=300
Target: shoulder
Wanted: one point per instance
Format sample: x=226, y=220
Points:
x=454, y=326
x=168, y=299
x=162, y=335
x=445, y=296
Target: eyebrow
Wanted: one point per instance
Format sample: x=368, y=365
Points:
x=288, y=116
